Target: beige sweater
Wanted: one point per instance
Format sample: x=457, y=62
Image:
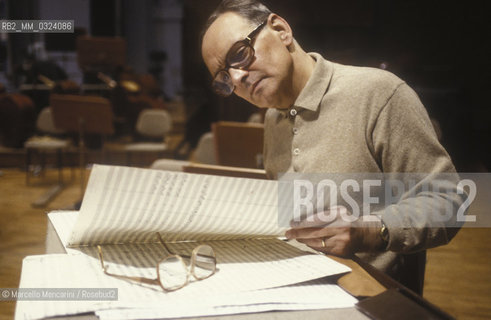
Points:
x=363, y=120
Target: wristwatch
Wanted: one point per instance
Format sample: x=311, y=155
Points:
x=384, y=233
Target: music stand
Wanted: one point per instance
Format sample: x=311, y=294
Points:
x=104, y=54
x=82, y=114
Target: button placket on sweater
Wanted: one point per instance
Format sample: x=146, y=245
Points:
x=295, y=130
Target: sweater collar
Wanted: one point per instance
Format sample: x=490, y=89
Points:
x=311, y=95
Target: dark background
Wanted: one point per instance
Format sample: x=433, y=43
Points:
x=440, y=48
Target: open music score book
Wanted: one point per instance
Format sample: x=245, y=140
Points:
x=121, y=211
x=128, y=205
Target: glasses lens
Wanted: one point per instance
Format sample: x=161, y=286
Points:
x=240, y=55
x=172, y=273
x=204, y=262
x=222, y=84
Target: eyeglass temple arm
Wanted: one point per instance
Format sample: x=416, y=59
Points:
x=139, y=279
x=163, y=243
x=101, y=258
x=256, y=30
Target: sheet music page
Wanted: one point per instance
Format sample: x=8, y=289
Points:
x=245, y=264
x=123, y=204
x=310, y=296
x=225, y=292
x=63, y=222
x=58, y=271
x=242, y=264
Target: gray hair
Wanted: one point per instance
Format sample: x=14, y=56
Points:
x=252, y=10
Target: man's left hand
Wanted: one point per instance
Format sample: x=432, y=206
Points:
x=336, y=232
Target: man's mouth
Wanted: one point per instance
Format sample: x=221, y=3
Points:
x=254, y=86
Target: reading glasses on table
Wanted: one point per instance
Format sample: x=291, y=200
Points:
x=172, y=272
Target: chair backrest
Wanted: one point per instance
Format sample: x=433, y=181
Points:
x=238, y=144
x=205, y=150
x=45, y=122
x=153, y=123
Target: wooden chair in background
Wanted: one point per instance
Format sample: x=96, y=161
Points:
x=48, y=142
x=83, y=115
x=152, y=126
x=239, y=144
x=51, y=142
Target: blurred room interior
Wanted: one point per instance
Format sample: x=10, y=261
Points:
x=68, y=100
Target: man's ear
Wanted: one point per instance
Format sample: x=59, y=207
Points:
x=282, y=28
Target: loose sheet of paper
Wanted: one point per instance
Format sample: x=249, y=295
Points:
x=123, y=204
x=313, y=295
x=80, y=271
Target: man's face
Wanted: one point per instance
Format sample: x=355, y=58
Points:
x=267, y=81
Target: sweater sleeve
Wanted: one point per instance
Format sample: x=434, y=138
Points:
x=406, y=146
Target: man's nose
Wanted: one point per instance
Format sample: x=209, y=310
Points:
x=238, y=76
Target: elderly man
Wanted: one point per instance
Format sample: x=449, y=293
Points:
x=329, y=118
